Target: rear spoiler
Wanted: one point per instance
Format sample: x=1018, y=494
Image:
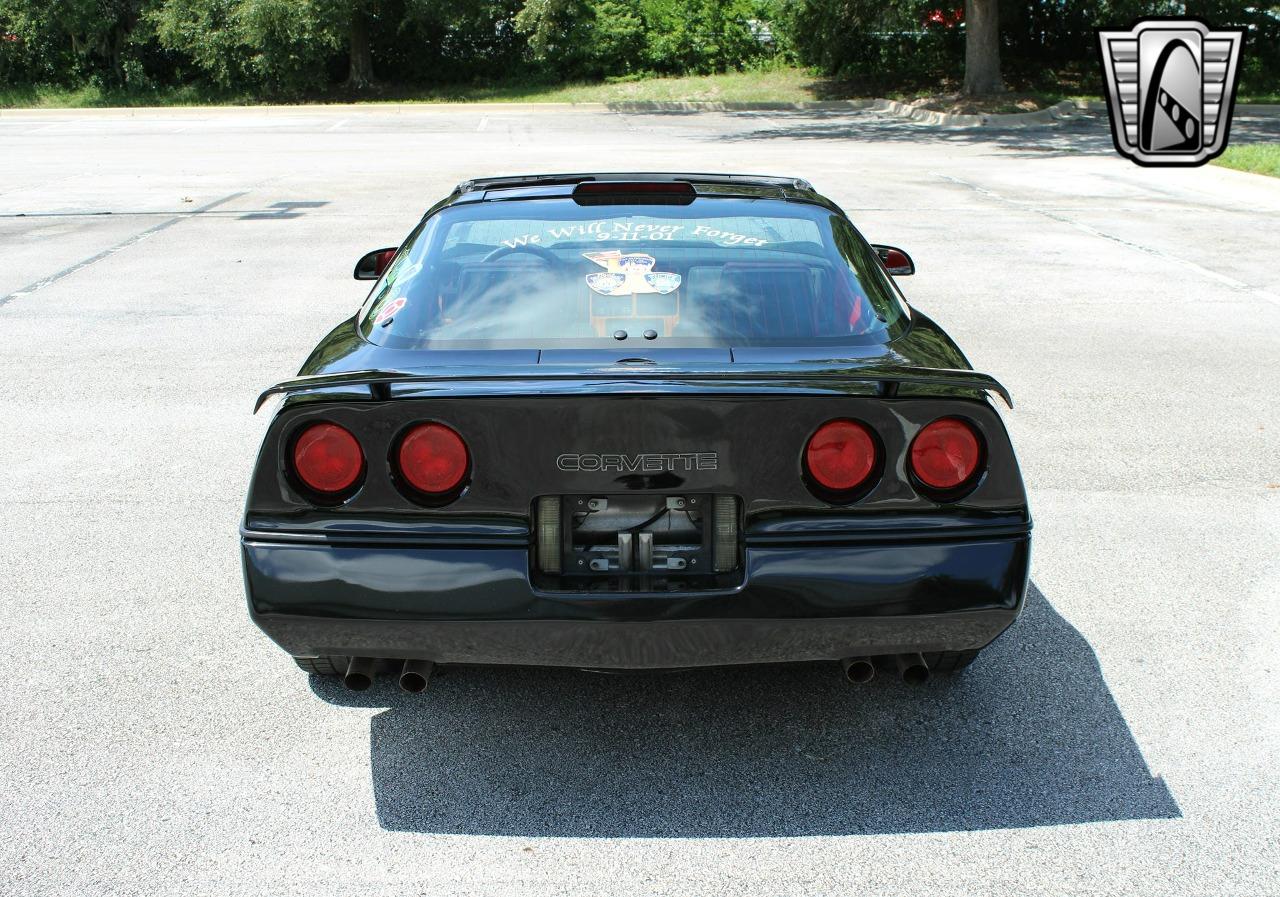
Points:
x=888, y=379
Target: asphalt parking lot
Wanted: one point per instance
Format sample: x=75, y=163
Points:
x=157, y=269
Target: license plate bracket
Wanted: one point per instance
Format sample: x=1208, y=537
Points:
x=638, y=535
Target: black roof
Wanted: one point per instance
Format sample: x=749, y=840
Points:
x=560, y=180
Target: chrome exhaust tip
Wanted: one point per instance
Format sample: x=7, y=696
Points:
x=912, y=668
x=359, y=674
x=415, y=675
x=858, y=670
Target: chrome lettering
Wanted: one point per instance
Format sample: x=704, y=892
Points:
x=648, y=462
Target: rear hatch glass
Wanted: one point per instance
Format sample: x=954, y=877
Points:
x=551, y=273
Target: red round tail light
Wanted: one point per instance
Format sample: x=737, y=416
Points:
x=433, y=459
x=841, y=455
x=945, y=454
x=327, y=458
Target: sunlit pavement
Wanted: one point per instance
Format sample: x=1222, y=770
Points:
x=157, y=269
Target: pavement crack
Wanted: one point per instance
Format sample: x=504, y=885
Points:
x=1094, y=232
x=118, y=247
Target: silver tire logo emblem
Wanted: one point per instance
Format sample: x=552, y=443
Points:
x=1171, y=86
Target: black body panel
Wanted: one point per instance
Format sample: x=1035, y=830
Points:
x=383, y=574
x=811, y=602
x=658, y=645
x=516, y=441
x=784, y=582
x=893, y=570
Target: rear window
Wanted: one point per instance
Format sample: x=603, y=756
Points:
x=545, y=273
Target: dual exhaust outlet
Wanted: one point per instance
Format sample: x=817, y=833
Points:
x=911, y=669
x=414, y=675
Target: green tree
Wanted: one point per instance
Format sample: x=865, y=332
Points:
x=701, y=36
x=558, y=32
x=211, y=34
x=294, y=47
x=33, y=50
x=289, y=47
x=85, y=36
x=281, y=46
x=593, y=38
x=879, y=45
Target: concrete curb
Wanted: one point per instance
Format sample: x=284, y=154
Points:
x=265, y=109
x=712, y=106
x=889, y=107
x=1244, y=108
x=399, y=108
x=1058, y=112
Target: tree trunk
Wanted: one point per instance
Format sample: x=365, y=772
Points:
x=982, y=47
x=360, y=70
x=119, y=35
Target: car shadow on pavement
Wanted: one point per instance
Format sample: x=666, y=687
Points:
x=1028, y=736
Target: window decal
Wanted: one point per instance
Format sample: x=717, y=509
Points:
x=629, y=273
x=388, y=311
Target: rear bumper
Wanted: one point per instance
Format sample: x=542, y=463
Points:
x=476, y=605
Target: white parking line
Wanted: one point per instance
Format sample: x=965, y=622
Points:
x=112, y=250
x=56, y=124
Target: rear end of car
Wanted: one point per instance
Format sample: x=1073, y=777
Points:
x=749, y=493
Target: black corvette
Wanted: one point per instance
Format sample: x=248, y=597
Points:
x=627, y=421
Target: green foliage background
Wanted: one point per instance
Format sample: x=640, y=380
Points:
x=293, y=48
